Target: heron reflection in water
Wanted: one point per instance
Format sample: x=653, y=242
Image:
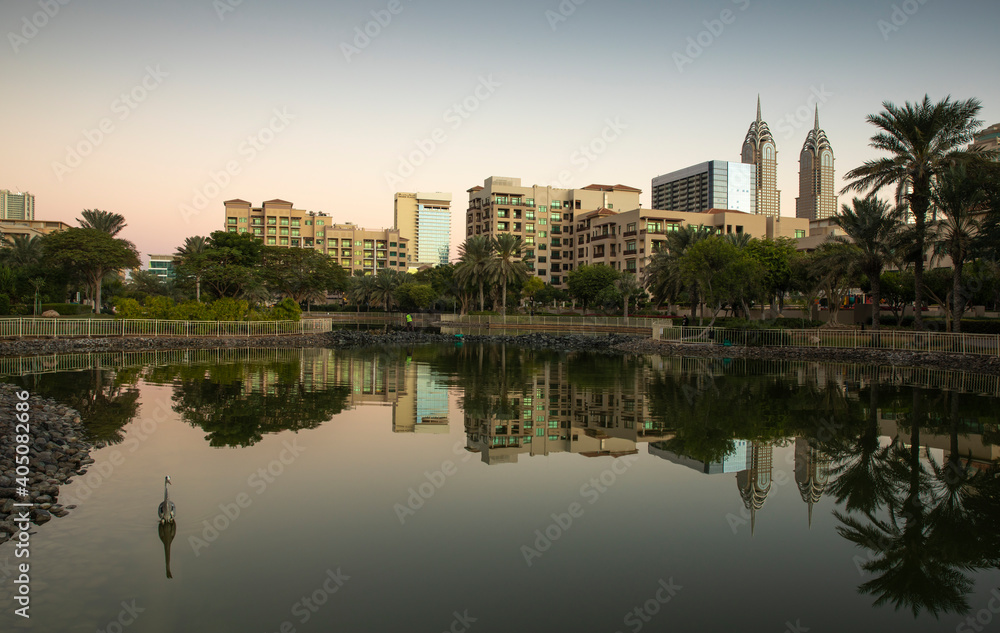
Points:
x=167, y=527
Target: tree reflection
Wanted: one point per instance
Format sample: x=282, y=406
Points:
x=920, y=524
x=106, y=399
x=237, y=404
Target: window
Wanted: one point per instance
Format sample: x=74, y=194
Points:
x=231, y=220
x=284, y=221
x=529, y=215
x=272, y=231
x=542, y=221
x=295, y=222
x=799, y=233
x=271, y=240
x=256, y=220
x=541, y=208
x=530, y=228
x=630, y=227
x=556, y=217
x=319, y=222
x=284, y=231
x=272, y=220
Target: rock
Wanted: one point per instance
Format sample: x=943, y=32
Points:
x=40, y=516
x=50, y=313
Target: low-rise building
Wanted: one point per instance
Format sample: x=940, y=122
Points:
x=278, y=223
x=36, y=228
x=625, y=241
x=162, y=266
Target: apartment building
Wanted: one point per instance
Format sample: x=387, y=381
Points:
x=542, y=216
x=626, y=240
x=278, y=223
x=16, y=205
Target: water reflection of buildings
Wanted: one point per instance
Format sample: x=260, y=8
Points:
x=423, y=404
x=812, y=473
x=549, y=414
x=753, y=463
x=419, y=399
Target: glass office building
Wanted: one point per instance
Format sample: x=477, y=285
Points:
x=424, y=219
x=716, y=184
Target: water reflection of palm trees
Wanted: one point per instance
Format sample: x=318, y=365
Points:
x=920, y=529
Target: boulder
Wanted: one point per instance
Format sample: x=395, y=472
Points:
x=50, y=313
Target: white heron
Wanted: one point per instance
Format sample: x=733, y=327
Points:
x=167, y=510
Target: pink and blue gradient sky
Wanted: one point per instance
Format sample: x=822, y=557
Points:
x=216, y=72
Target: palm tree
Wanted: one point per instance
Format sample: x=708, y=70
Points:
x=507, y=265
x=474, y=260
x=628, y=288
x=106, y=221
x=360, y=289
x=874, y=227
x=662, y=274
x=964, y=202
x=739, y=240
x=922, y=138
x=189, y=255
x=831, y=270
x=384, y=287
x=23, y=250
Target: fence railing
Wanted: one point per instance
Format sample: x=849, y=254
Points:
x=101, y=328
x=570, y=322
x=900, y=340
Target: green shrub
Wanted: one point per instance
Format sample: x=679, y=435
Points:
x=191, y=311
x=128, y=308
x=287, y=310
x=4, y=305
x=229, y=309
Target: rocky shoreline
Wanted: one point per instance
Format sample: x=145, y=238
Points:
x=611, y=343
x=56, y=452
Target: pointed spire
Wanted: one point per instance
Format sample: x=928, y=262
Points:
x=816, y=125
x=758, y=107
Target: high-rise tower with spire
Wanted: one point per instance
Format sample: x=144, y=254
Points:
x=759, y=150
x=817, y=199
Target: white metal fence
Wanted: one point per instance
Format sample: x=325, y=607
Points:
x=88, y=328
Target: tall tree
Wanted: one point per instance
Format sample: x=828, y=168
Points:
x=301, y=273
x=474, y=263
x=662, y=274
x=105, y=221
x=962, y=195
x=922, y=139
x=507, y=264
x=92, y=254
x=875, y=228
x=192, y=259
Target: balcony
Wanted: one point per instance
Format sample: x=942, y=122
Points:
x=607, y=236
x=630, y=233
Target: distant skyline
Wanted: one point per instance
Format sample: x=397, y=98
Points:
x=161, y=111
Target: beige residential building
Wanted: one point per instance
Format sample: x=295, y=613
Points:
x=817, y=197
x=36, y=228
x=759, y=150
x=277, y=223
x=988, y=139
x=424, y=220
x=542, y=216
x=625, y=241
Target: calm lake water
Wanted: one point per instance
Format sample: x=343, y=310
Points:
x=484, y=488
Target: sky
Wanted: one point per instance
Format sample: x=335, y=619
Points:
x=162, y=111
